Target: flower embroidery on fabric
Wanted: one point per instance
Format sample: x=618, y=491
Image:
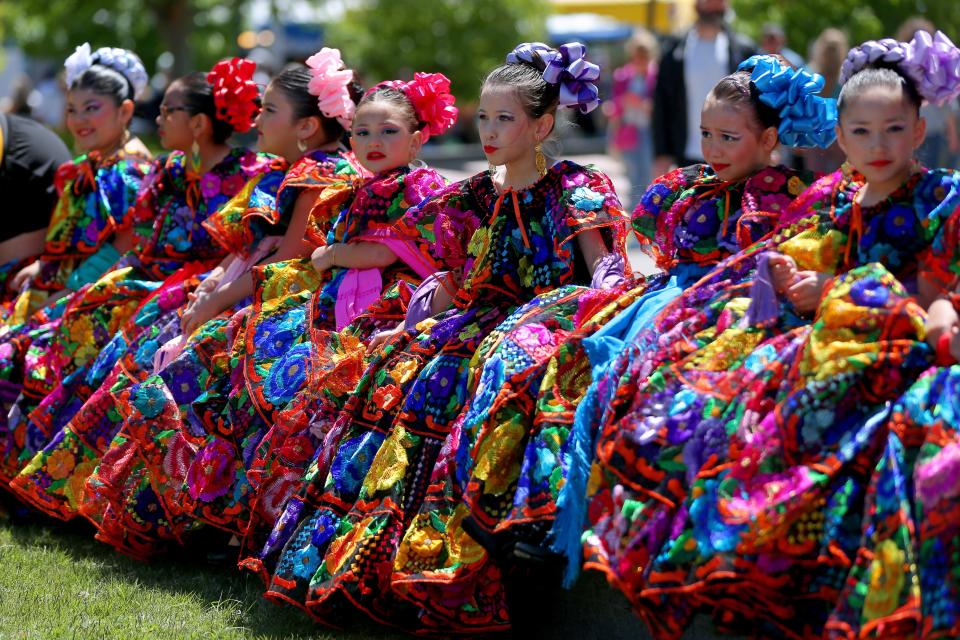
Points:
x=587, y=199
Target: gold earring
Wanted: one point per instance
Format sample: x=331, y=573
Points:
x=301, y=146
x=541, y=160
x=195, y=156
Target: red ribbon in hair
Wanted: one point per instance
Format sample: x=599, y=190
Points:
x=234, y=93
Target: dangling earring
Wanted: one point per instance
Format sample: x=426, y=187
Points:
x=541, y=160
x=301, y=145
x=195, y=156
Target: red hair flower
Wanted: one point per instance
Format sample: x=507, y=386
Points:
x=429, y=93
x=433, y=102
x=235, y=95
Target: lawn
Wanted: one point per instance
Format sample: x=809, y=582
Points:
x=56, y=581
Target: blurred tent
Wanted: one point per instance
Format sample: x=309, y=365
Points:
x=663, y=16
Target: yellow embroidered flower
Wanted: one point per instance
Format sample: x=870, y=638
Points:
x=75, y=483
x=887, y=576
x=60, y=464
x=389, y=465
x=795, y=186
x=403, y=371
x=479, y=242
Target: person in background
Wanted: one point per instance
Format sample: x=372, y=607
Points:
x=692, y=63
x=826, y=55
x=630, y=109
x=773, y=41
x=942, y=142
x=29, y=156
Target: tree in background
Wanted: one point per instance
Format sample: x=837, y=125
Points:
x=803, y=20
x=464, y=40
x=196, y=32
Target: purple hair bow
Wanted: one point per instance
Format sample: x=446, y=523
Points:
x=566, y=67
x=934, y=64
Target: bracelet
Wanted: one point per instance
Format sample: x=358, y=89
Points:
x=333, y=255
x=943, y=357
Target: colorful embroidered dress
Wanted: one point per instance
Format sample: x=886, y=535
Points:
x=95, y=200
x=904, y=580
x=54, y=479
x=339, y=537
x=179, y=417
x=168, y=214
x=509, y=459
x=736, y=457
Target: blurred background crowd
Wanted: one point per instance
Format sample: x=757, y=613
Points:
x=658, y=56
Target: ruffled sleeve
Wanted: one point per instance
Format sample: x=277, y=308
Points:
x=231, y=226
x=314, y=171
x=590, y=202
x=95, y=201
x=440, y=227
x=654, y=218
x=937, y=205
x=330, y=203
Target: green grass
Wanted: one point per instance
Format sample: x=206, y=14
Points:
x=56, y=581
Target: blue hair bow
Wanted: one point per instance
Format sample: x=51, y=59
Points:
x=566, y=67
x=806, y=119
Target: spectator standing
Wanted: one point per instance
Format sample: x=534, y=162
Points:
x=773, y=40
x=692, y=63
x=630, y=110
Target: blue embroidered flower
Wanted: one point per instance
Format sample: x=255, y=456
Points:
x=305, y=562
x=149, y=399
x=899, y=222
x=869, y=292
x=274, y=337
x=323, y=529
x=288, y=374
x=353, y=460
x=653, y=199
x=587, y=199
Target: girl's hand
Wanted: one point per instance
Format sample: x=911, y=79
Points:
x=27, y=274
x=380, y=338
x=783, y=272
x=200, y=311
x=804, y=294
x=322, y=257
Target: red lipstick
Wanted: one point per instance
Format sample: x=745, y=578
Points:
x=489, y=148
x=879, y=164
x=720, y=166
x=376, y=155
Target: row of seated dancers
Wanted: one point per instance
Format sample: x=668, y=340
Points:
x=396, y=392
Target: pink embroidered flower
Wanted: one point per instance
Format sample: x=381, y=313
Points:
x=212, y=473
x=775, y=202
x=419, y=184
x=535, y=339
x=210, y=185
x=231, y=185
x=769, y=180
x=939, y=477
x=385, y=188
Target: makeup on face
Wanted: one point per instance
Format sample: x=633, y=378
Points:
x=730, y=142
x=94, y=121
x=880, y=131
x=380, y=138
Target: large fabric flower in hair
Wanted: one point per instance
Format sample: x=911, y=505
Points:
x=576, y=76
x=806, y=118
x=432, y=101
x=78, y=62
x=330, y=83
x=235, y=95
x=933, y=63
